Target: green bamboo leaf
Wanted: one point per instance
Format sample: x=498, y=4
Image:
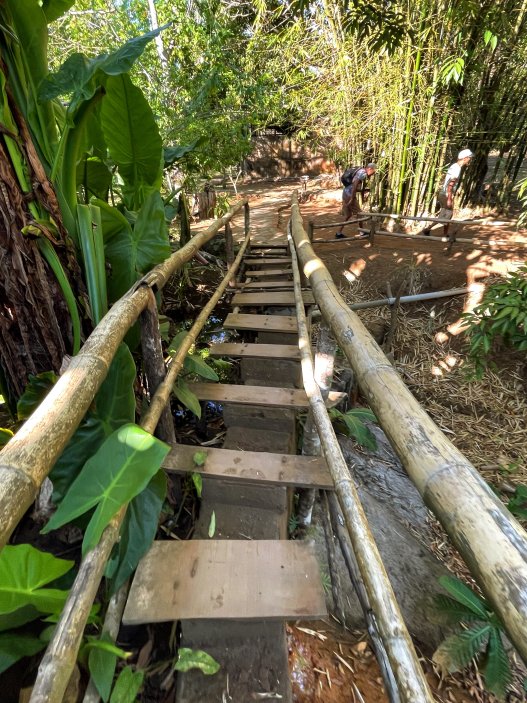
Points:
x=186, y=396
x=464, y=595
x=15, y=645
x=197, y=480
x=196, y=659
x=134, y=142
x=138, y=531
x=195, y=364
x=91, y=243
x=120, y=470
x=24, y=571
x=457, y=651
x=177, y=341
x=127, y=686
x=102, y=660
x=496, y=667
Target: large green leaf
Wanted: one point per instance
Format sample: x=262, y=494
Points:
x=121, y=468
x=132, y=136
x=77, y=75
x=171, y=154
x=15, y=645
x=127, y=686
x=196, y=659
x=94, y=176
x=138, y=530
x=131, y=252
x=195, y=364
x=24, y=571
x=114, y=406
x=53, y=9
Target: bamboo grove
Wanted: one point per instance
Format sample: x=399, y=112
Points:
x=408, y=89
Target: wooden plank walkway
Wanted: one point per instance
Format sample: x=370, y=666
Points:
x=264, y=261
x=269, y=273
x=226, y=579
x=285, y=299
x=256, y=351
x=255, y=467
x=261, y=323
x=265, y=396
x=267, y=285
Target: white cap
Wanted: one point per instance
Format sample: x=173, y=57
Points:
x=464, y=153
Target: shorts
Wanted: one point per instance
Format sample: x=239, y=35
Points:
x=445, y=212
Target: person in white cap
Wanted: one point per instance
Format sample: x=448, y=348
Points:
x=445, y=196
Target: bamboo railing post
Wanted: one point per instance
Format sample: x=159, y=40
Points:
x=229, y=244
x=310, y=230
x=60, y=656
x=373, y=229
x=154, y=365
x=410, y=678
x=492, y=542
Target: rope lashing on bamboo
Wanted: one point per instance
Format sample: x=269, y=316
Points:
x=492, y=543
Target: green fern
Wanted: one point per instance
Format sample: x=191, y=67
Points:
x=481, y=642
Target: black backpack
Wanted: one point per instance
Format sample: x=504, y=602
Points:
x=348, y=175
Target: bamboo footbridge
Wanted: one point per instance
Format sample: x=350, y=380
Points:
x=234, y=593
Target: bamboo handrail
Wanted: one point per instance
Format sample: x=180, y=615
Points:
x=492, y=543
x=29, y=456
x=61, y=654
x=410, y=678
x=463, y=240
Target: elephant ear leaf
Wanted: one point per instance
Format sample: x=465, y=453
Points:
x=24, y=571
x=53, y=9
x=132, y=137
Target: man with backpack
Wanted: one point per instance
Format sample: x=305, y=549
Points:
x=353, y=179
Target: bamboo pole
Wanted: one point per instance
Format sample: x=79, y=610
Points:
x=462, y=240
x=61, y=654
x=404, y=661
x=30, y=455
x=491, y=541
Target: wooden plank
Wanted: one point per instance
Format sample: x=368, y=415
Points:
x=265, y=396
x=255, y=467
x=226, y=579
x=264, y=261
x=286, y=299
x=256, y=351
x=268, y=284
x=270, y=245
x=261, y=323
x=271, y=272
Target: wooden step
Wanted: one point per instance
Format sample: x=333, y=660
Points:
x=256, y=351
x=265, y=396
x=226, y=579
x=285, y=299
x=255, y=467
x=270, y=245
x=261, y=323
x=268, y=273
x=262, y=260
x=268, y=284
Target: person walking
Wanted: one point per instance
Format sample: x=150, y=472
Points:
x=350, y=205
x=446, y=195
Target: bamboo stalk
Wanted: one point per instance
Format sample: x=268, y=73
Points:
x=61, y=654
x=30, y=455
x=490, y=540
x=404, y=661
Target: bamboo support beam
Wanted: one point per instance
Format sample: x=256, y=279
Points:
x=491, y=541
x=449, y=239
x=60, y=657
x=404, y=661
x=30, y=455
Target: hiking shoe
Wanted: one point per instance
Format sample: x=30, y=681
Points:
x=340, y=235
